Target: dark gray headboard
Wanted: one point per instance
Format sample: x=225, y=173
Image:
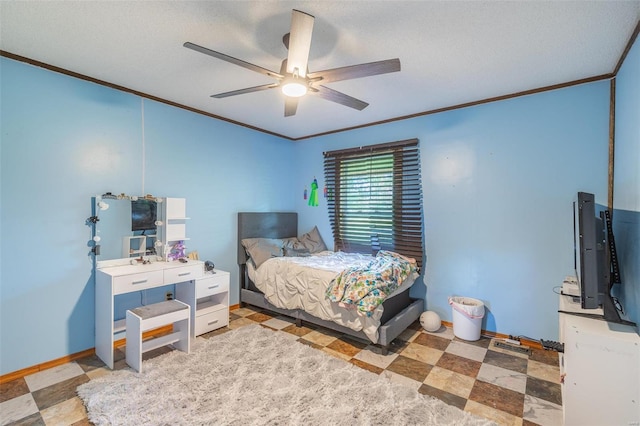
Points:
x=264, y=225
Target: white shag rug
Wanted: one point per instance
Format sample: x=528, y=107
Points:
x=255, y=376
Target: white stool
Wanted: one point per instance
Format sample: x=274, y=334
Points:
x=152, y=316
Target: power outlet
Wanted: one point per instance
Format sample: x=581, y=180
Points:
x=168, y=296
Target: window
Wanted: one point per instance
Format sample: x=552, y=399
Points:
x=374, y=196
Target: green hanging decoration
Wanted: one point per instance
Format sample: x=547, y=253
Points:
x=313, y=197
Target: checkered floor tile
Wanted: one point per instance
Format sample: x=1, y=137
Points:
x=508, y=387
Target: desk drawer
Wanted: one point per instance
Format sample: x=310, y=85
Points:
x=212, y=321
x=184, y=273
x=211, y=284
x=135, y=282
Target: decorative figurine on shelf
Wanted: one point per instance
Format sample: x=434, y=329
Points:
x=177, y=251
x=313, y=198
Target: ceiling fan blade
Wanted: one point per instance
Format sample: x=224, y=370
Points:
x=299, y=42
x=247, y=90
x=290, y=106
x=233, y=60
x=339, y=97
x=357, y=71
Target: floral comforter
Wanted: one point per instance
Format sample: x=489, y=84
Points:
x=366, y=287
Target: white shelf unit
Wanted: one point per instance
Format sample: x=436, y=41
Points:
x=136, y=245
x=175, y=219
x=210, y=296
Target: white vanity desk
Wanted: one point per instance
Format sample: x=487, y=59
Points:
x=115, y=278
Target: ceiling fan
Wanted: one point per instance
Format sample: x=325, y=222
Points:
x=294, y=78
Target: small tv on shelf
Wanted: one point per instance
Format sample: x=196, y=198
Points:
x=596, y=262
x=143, y=215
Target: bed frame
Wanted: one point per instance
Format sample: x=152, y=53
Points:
x=400, y=311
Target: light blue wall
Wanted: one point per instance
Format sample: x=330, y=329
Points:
x=499, y=180
x=65, y=140
x=626, y=201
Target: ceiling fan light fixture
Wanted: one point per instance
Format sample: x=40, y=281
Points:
x=294, y=89
x=293, y=86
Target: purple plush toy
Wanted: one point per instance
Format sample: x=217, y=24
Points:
x=177, y=251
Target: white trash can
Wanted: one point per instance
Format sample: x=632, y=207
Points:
x=467, y=317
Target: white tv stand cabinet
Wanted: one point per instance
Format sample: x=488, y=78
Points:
x=601, y=369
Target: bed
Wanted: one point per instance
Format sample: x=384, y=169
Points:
x=379, y=327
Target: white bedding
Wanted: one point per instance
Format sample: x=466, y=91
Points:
x=302, y=282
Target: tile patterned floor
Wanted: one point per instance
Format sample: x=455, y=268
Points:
x=505, y=386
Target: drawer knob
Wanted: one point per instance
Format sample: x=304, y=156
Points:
x=214, y=286
x=184, y=274
x=140, y=281
x=212, y=322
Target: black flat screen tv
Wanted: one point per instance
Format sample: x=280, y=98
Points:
x=591, y=268
x=143, y=215
x=595, y=258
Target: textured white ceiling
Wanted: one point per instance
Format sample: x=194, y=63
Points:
x=452, y=52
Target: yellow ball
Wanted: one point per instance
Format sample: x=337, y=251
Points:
x=430, y=321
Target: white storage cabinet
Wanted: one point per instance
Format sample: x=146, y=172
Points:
x=210, y=296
